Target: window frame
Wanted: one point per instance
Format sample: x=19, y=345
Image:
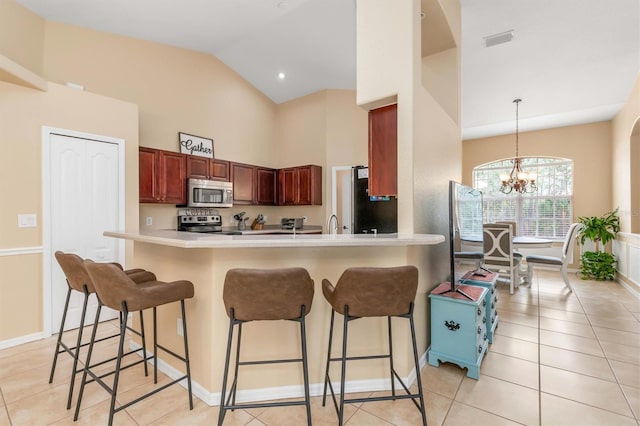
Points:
x=530, y=163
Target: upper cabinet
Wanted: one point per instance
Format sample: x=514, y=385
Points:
x=207, y=168
x=266, y=186
x=253, y=184
x=300, y=186
x=162, y=176
x=383, y=151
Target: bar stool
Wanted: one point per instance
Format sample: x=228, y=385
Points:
x=117, y=291
x=265, y=295
x=78, y=280
x=373, y=292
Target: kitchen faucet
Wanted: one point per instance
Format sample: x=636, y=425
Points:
x=333, y=230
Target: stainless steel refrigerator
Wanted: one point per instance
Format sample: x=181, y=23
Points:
x=369, y=213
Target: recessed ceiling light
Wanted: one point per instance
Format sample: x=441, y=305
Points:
x=281, y=75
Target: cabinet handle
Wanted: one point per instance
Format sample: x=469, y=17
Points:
x=485, y=336
x=484, y=320
x=479, y=349
x=484, y=303
x=479, y=329
x=493, y=305
x=479, y=311
x=452, y=325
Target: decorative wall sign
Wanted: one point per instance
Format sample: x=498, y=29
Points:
x=195, y=145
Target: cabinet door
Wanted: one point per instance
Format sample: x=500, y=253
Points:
x=309, y=185
x=147, y=170
x=383, y=151
x=265, y=186
x=219, y=170
x=243, y=178
x=197, y=167
x=288, y=187
x=172, y=179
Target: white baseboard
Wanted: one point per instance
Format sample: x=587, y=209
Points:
x=281, y=392
x=4, y=344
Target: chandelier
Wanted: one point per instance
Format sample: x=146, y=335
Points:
x=518, y=180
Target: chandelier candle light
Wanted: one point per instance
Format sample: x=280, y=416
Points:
x=518, y=180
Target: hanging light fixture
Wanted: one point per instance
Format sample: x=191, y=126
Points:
x=518, y=180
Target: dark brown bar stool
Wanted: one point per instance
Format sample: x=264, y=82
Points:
x=263, y=295
x=373, y=292
x=78, y=280
x=118, y=291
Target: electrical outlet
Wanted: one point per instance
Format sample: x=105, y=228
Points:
x=180, y=329
x=149, y=221
x=27, y=221
x=304, y=218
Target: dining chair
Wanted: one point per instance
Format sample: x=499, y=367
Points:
x=498, y=252
x=561, y=262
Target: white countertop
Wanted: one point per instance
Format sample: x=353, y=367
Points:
x=199, y=240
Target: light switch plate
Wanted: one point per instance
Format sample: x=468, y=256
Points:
x=27, y=221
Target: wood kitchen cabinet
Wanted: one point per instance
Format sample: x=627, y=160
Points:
x=162, y=176
x=253, y=184
x=300, y=186
x=383, y=151
x=207, y=168
x=243, y=178
x=266, y=180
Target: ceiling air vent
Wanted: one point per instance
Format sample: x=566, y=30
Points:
x=496, y=39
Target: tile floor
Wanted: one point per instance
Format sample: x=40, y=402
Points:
x=557, y=359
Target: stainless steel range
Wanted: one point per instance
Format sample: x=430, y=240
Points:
x=199, y=220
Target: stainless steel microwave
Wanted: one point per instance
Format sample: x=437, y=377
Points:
x=209, y=193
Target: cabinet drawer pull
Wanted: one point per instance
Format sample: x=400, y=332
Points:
x=485, y=336
x=479, y=311
x=484, y=303
x=484, y=320
x=479, y=329
x=452, y=325
x=479, y=349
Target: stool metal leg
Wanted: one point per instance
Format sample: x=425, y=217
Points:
x=234, y=385
x=417, y=367
x=64, y=318
x=76, y=354
x=186, y=353
x=393, y=380
x=326, y=371
x=305, y=369
x=144, y=344
x=343, y=369
x=116, y=377
x=226, y=371
x=155, y=346
x=87, y=362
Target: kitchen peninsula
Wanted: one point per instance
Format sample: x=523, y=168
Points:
x=205, y=259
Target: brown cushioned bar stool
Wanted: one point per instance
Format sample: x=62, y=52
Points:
x=265, y=294
x=118, y=291
x=78, y=280
x=373, y=292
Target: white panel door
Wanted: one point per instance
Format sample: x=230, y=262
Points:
x=84, y=203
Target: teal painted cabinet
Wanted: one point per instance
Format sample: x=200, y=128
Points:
x=458, y=327
x=487, y=280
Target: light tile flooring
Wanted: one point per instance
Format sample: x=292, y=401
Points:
x=557, y=359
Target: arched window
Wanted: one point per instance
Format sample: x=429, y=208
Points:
x=545, y=213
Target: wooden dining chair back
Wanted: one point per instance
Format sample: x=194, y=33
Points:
x=498, y=252
x=561, y=262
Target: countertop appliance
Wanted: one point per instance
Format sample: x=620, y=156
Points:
x=291, y=223
x=371, y=214
x=209, y=193
x=199, y=220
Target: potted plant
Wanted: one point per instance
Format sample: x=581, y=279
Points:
x=598, y=265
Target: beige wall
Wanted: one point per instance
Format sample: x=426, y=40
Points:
x=390, y=68
x=21, y=35
x=626, y=141
x=23, y=112
x=588, y=145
